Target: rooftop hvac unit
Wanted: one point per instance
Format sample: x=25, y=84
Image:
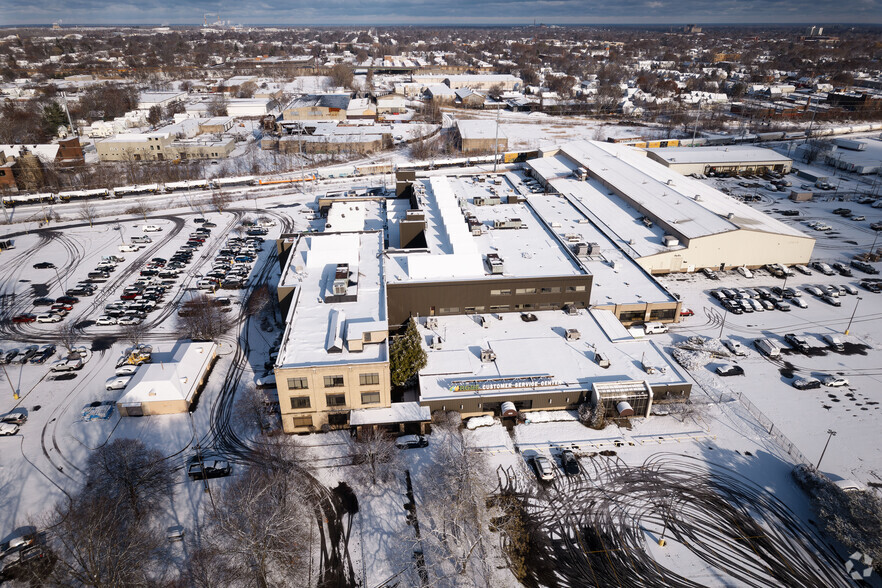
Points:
x=572, y=237
x=435, y=342
x=509, y=223
x=581, y=249
x=340, y=287
x=670, y=241
x=573, y=335
x=496, y=264
x=730, y=216
x=432, y=322
x=487, y=355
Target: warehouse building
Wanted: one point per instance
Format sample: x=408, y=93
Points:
x=170, y=384
x=665, y=221
x=317, y=107
x=721, y=160
x=161, y=146
x=480, y=136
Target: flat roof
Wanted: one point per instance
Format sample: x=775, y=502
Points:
x=340, y=101
x=315, y=319
x=399, y=412
x=692, y=208
x=532, y=357
x=479, y=129
x=719, y=154
x=172, y=375
x=453, y=252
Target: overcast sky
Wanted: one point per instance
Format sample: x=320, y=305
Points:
x=427, y=12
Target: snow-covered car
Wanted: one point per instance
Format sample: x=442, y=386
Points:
x=802, y=269
x=14, y=418
x=68, y=365
x=744, y=271
x=569, y=463
x=543, y=468
x=127, y=369
x=730, y=370
x=411, y=442
x=799, y=302
x=151, y=228
x=735, y=347
x=806, y=383
x=8, y=429
x=835, y=381
x=48, y=318
x=117, y=382
x=129, y=320
x=105, y=320
x=831, y=300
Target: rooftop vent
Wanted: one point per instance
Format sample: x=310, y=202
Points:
x=487, y=355
x=573, y=335
x=497, y=266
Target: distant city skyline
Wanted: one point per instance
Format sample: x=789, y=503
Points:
x=452, y=12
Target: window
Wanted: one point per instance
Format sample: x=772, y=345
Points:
x=451, y=310
x=551, y=290
x=302, y=421
x=298, y=383
x=370, y=397
x=335, y=399
x=368, y=379
x=525, y=291
x=366, y=337
x=499, y=308
x=500, y=292
x=575, y=288
x=333, y=381
x=299, y=402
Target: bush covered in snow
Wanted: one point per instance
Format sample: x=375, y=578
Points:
x=550, y=416
x=852, y=518
x=592, y=415
x=481, y=421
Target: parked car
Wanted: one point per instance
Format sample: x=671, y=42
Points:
x=864, y=267
x=68, y=365
x=45, y=352
x=709, y=273
x=806, y=383
x=835, y=381
x=730, y=370
x=8, y=429
x=842, y=269
x=411, y=442
x=151, y=228
x=29, y=352
x=208, y=468
x=43, y=301
x=823, y=268
x=802, y=269
x=105, y=320
x=44, y=265
x=782, y=306
x=127, y=369
x=10, y=355
x=117, y=382
x=797, y=342
x=48, y=318
x=543, y=468
x=14, y=418
x=832, y=300
x=24, y=318
x=735, y=347
x=687, y=312
x=799, y=302
x=569, y=463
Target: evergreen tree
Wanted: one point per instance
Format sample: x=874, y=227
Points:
x=53, y=116
x=407, y=356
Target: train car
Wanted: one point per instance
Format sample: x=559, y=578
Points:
x=234, y=181
x=372, y=169
x=770, y=136
x=139, y=189
x=25, y=199
x=83, y=194
x=337, y=172
x=187, y=185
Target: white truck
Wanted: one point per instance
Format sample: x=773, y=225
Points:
x=768, y=347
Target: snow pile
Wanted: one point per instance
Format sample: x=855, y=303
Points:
x=551, y=416
x=481, y=421
x=691, y=360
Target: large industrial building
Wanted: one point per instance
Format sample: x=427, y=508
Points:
x=721, y=160
x=480, y=136
x=665, y=221
x=522, y=294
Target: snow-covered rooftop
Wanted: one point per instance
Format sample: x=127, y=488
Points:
x=691, y=208
x=173, y=375
x=453, y=252
x=719, y=154
x=321, y=317
x=532, y=357
x=479, y=129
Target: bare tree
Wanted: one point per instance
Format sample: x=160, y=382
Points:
x=94, y=546
x=209, y=567
x=376, y=455
x=135, y=334
x=259, y=300
x=88, y=212
x=201, y=319
x=220, y=200
x=251, y=408
x=134, y=476
x=262, y=524
x=140, y=207
x=68, y=336
x=453, y=514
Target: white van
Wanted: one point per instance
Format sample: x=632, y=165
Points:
x=655, y=327
x=768, y=347
x=151, y=228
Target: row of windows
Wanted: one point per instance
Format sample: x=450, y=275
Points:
x=522, y=405
x=302, y=383
x=336, y=400
x=547, y=290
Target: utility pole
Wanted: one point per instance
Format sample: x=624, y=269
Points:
x=496, y=142
x=853, y=312
x=73, y=129
x=831, y=433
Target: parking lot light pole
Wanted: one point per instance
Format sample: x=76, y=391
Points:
x=723, y=324
x=831, y=433
x=854, y=312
